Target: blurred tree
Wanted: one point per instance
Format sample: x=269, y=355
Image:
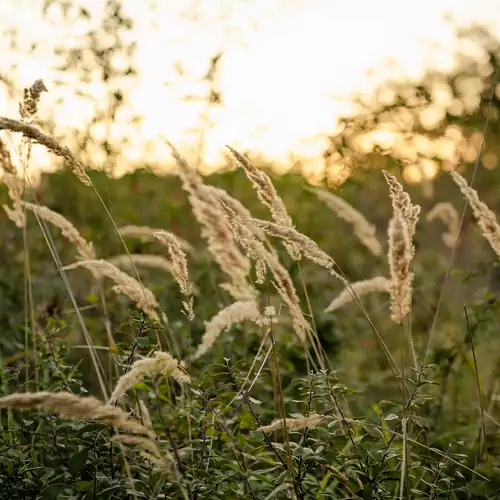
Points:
x=432, y=125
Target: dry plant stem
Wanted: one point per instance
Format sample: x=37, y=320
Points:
x=478, y=383
x=282, y=410
x=28, y=109
x=37, y=136
x=394, y=367
x=256, y=418
x=313, y=333
x=93, y=354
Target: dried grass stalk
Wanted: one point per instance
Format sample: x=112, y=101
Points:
x=145, y=415
x=14, y=186
x=234, y=207
x=235, y=313
x=310, y=422
x=268, y=196
x=144, y=298
x=6, y=159
x=35, y=134
x=28, y=108
x=365, y=231
x=305, y=244
x=84, y=249
x=449, y=216
x=485, y=217
x=145, y=443
x=15, y=189
x=75, y=407
x=161, y=363
x=148, y=233
x=127, y=261
x=179, y=269
x=377, y=284
x=243, y=229
x=220, y=241
x=401, y=231
x=401, y=201
x=400, y=256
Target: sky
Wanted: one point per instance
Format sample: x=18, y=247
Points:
x=288, y=71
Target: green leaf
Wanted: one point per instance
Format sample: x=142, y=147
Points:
x=83, y=485
x=78, y=460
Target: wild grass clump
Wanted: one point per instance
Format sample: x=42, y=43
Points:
x=266, y=385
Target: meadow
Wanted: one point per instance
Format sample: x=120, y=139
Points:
x=243, y=334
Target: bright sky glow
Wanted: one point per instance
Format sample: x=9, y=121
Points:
x=288, y=69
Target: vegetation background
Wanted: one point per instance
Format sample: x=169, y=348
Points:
x=438, y=438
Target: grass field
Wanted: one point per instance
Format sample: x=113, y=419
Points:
x=244, y=335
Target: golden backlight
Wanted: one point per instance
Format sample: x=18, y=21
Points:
x=288, y=71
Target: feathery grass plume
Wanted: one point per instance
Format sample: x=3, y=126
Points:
x=31, y=132
x=75, y=407
x=147, y=444
x=144, y=298
x=486, y=219
x=214, y=228
x=365, y=231
x=268, y=196
x=142, y=260
x=401, y=201
x=145, y=415
x=161, y=363
x=251, y=244
x=179, y=269
x=399, y=256
x=15, y=190
x=14, y=187
x=233, y=206
x=147, y=233
x=310, y=422
x=359, y=288
x=449, y=216
x=243, y=230
x=28, y=107
x=84, y=249
x=6, y=159
x=146, y=260
x=310, y=249
x=243, y=310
